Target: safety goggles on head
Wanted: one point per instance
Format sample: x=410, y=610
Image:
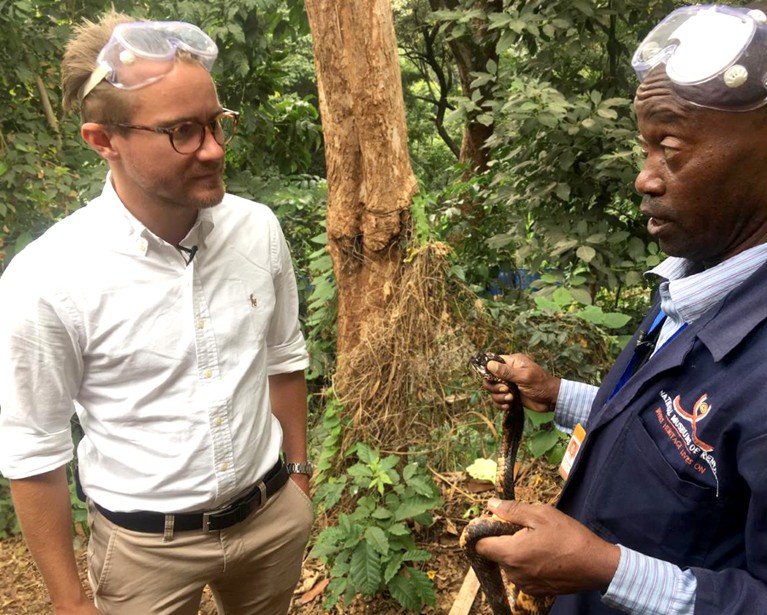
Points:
x=714, y=55
x=140, y=53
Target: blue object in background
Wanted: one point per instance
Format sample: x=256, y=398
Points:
x=520, y=279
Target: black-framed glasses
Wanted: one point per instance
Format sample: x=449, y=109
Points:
x=188, y=137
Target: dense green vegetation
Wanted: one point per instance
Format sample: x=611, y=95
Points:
x=548, y=234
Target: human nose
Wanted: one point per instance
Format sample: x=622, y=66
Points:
x=210, y=147
x=649, y=180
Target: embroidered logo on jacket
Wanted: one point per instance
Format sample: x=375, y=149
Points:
x=675, y=420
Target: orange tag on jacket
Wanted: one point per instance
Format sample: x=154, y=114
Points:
x=579, y=434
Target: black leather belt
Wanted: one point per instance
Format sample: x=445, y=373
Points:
x=214, y=520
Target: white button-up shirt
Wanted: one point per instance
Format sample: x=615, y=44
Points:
x=164, y=363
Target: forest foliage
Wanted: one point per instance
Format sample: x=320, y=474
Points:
x=546, y=231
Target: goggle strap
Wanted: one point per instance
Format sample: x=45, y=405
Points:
x=97, y=76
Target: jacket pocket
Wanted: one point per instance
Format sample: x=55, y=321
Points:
x=639, y=500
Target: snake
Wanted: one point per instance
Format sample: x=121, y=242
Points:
x=503, y=596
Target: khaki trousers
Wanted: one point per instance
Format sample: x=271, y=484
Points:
x=251, y=567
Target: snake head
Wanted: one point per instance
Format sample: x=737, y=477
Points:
x=479, y=362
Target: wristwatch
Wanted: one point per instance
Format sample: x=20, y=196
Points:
x=300, y=468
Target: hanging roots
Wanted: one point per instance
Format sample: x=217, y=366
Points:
x=395, y=382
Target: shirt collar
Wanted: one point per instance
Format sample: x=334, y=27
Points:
x=687, y=291
x=140, y=236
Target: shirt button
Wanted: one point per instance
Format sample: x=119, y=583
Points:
x=218, y=421
x=208, y=373
x=201, y=324
x=224, y=466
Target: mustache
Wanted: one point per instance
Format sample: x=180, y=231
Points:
x=650, y=206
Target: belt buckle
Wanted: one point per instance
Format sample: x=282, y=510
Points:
x=213, y=514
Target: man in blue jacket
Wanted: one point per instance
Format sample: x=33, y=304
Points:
x=665, y=504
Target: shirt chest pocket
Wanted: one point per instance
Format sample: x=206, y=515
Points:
x=240, y=310
x=641, y=501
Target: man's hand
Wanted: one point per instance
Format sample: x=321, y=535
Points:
x=553, y=554
x=539, y=389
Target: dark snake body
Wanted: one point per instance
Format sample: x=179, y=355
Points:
x=504, y=598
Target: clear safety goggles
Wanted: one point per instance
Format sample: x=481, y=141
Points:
x=714, y=55
x=141, y=53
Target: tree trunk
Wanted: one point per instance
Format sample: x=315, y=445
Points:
x=370, y=181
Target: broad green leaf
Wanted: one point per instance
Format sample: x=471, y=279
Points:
x=421, y=486
x=539, y=418
x=563, y=191
x=563, y=297
x=376, y=537
x=404, y=591
x=392, y=567
x=483, y=469
x=540, y=442
x=382, y=513
x=615, y=320
x=586, y=253
x=581, y=295
x=365, y=569
x=414, y=507
x=22, y=241
x=416, y=555
x=399, y=529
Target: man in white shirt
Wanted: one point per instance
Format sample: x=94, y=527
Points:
x=164, y=314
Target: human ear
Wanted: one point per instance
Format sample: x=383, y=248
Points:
x=99, y=139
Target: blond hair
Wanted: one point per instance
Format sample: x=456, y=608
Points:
x=105, y=103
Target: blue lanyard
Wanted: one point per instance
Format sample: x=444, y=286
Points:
x=644, y=350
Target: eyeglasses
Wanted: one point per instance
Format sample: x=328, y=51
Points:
x=187, y=137
x=714, y=55
x=140, y=53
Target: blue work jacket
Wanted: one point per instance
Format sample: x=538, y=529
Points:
x=674, y=464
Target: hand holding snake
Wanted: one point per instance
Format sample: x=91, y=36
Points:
x=504, y=598
x=540, y=548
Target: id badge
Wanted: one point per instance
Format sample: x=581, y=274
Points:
x=576, y=440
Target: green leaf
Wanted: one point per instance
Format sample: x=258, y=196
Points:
x=403, y=590
x=392, y=568
x=376, y=537
x=586, y=253
x=539, y=418
x=365, y=453
x=416, y=555
x=365, y=569
x=615, y=320
x=381, y=513
x=562, y=297
x=540, y=442
x=399, y=529
x=483, y=469
x=581, y=295
x=563, y=191
x=415, y=506
x=412, y=589
x=22, y=241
